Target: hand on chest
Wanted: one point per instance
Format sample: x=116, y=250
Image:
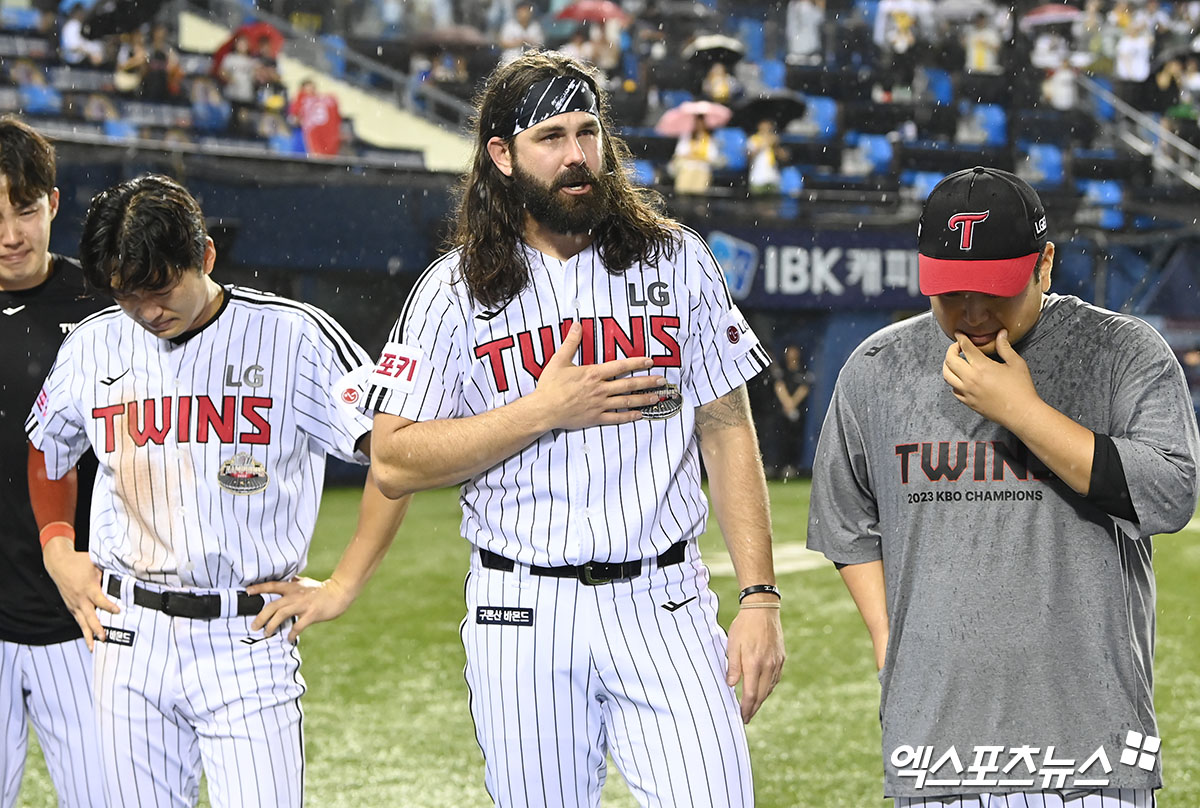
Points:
x=631, y=319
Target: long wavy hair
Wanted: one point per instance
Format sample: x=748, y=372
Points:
x=490, y=217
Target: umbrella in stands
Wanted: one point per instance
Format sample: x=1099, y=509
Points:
x=268, y=38
x=780, y=106
x=1049, y=14
x=109, y=17
x=599, y=11
x=681, y=120
x=454, y=37
x=714, y=48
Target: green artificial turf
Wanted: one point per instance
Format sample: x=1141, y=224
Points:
x=386, y=712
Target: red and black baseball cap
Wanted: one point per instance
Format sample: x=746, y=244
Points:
x=982, y=230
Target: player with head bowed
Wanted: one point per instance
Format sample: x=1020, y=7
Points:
x=211, y=410
x=45, y=669
x=988, y=479
x=569, y=363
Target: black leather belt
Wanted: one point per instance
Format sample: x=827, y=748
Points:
x=591, y=573
x=186, y=604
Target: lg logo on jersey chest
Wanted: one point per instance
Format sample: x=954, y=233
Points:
x=251, y=377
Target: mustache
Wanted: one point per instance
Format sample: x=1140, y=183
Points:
x=576, y=176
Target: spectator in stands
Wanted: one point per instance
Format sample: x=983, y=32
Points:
x=719, y=84
x=1093, y=35
x=1050, y=49
x=238, y=73
x=897, y=34
x=1059, y=88
x=428, y=15
x=210, y=111
x=73, y=47
x=1154, y=18
x=239, y=77
x=519, y=33
x=319, y=120
x=805, y=31
x=606, y=46
x=1135, y=50
x=579, y=46
x=99, y=108
x=163, y=79
x=696, y=154
x=982, y=44
x=132, y=60
x=765, y=154
x=1120, y=15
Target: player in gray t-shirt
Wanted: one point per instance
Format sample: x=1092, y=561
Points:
x=988, y=479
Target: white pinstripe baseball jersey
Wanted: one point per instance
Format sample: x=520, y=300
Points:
x=605, y=493
x=211, y=445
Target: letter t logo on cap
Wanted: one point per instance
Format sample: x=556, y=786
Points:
x=968, y=222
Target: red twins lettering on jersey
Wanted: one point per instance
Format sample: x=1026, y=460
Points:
x=652, y=336
x=398, y=367
x=966, y=222
x=191, y=419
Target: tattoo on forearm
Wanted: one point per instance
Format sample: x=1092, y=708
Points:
x=730, y=410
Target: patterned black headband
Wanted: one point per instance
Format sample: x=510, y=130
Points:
x=550, y=97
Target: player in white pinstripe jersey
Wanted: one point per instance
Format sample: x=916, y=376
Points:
x=211, y=411
x=590, y=627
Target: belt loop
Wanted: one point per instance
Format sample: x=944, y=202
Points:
x=127, y=583
x=228, y=603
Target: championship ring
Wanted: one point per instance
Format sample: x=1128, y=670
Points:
x=242, y=474
x=672, y=403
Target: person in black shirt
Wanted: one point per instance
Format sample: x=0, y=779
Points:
x=45, y=667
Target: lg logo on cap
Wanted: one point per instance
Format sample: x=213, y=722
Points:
x=967, y=221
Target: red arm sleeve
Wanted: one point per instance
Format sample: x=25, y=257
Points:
x=52, y=500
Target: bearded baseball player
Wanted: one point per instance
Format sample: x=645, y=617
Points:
x=989, y=478
x=211, y=410
x=568, y=364
x=45, y=668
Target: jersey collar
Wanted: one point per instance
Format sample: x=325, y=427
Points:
x=187, y=335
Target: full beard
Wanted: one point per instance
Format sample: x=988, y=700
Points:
x=560, y=213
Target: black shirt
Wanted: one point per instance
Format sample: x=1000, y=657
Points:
x=33, y=323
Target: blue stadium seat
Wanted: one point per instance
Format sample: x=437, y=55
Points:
x=750, y=33
x=773, y=73
x=19, y=19
x=40, y=99
x=941, y=86
x=824, y=112
x=673, y=98
x=922, y=183
x=1101, y=192
x=731, y=141
x=878, y=150
x=1046, y=165
x=643, y=172
x=120, y=128
x=791, y=181
x=869, y=9
x=994, y=120
x=335, y=47
x=1104, y=110
x=286, y=143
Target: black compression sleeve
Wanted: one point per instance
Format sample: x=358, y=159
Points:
x=1108, y=488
